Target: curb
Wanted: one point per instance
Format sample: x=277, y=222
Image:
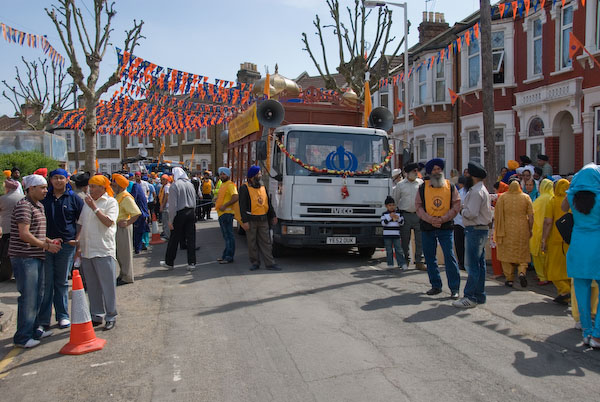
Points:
x=6, y=320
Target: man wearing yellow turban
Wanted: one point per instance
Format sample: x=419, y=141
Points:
x=98, y=222
x=128, y=214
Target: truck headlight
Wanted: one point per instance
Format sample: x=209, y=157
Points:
x=294, y=230
x=379, y=231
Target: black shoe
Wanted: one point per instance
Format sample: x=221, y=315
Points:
x=274, y=267
x=121, y=282
x=144, y=248
x=562, y=299
x=523, y=281
x=254, y=267
x=109, y=325
x=454, y=296
x=433, y=291
x=96, y=323
x=508, y=284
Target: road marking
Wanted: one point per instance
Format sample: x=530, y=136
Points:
x=176, y=370
x=30, y=373
x=101, y=364
x=197, y=265
x=10, y=356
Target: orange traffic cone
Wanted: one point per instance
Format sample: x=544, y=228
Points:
x=155, y=234
x=83, y=338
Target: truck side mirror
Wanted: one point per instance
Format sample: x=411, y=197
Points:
x=261, y=150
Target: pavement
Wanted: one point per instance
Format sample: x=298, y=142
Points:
x=330, y=327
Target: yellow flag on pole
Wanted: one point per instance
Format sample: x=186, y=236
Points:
x=368, y=105
x=267, y=90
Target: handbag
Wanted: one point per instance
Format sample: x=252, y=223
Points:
x=565, y=227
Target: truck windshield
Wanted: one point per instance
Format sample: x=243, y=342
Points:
x=336, y=151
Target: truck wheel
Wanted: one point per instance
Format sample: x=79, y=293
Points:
x=279, y=250
x=366, y=252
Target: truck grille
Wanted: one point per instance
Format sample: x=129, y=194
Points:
x=314, y=210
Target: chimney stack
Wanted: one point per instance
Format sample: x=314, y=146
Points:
x=433, y=24
x=248, y=73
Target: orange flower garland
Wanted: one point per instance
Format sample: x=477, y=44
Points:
x=344, y=173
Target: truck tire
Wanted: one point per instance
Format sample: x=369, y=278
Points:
x=366, y=252
x=279, y=250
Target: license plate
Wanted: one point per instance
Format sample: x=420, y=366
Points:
x=341, y=240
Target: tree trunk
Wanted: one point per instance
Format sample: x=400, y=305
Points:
x=487, y=77
x=90, y=135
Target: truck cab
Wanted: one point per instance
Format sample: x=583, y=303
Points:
x=311, y=207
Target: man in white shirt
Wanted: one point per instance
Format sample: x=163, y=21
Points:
x=459, y=227
x=404, y=194
x=477, y=215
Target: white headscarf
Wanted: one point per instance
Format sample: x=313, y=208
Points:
x=530, y=168
x=520, y=170
x=179, y=173
x=34, y=180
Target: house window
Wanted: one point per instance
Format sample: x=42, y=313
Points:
x=537, y=47
x=204, y=134
x=500, y=147
x=190, y=136
x=536, y=128
x=103, y=168
x=422, y=150
x=113, y=141
x=101, y=141
x=114, y=167
x=401, y=98
x=173, y=139
x=422, y=85
x=145, y=141
x=204, y=164
x=498, y=56
x=81, y=141
x=474, y=67
x=566, y=27
x=440, y=83
x=69, y=138
x=474, y=146
x=439, y=147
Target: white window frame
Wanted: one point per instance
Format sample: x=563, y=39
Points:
x=384, y=96
x=434, y=151
x=401, y=98
x=113, y=138
x=102, y=138
x=500, y=143
x=103, y=167
x=204, y=134
x=114, y=167
x=187, y=136
x=422, y=85
x=472, y=56
x=173, y=141
x=474, y=145
x=496, y=69
x=558, y=14
x=422, y=149
x=534, y=39
x=440, y=68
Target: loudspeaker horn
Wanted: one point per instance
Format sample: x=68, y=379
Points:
x=381, y=118
x=270, y=113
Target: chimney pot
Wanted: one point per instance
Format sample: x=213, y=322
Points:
x=424, y=16
x=431, y=16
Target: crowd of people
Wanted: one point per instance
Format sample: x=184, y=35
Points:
x=533, y=219
x=53, y=222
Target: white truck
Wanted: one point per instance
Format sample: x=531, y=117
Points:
x=312, y=209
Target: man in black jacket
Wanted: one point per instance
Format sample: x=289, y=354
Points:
x=257, y=212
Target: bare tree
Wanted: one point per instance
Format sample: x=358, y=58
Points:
x=92, y=40
x=39, y=95
x=356, y=54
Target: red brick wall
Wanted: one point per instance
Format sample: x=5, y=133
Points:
x=552, y=150
x=578, y=138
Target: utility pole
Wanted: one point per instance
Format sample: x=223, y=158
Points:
x=487, y=77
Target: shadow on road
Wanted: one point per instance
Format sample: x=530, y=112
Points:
x=406, y=299
x=541, y=308
x=434, y=314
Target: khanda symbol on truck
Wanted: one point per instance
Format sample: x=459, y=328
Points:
x=343, y=160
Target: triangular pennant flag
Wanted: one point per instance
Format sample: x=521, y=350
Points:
x=515, y=5
x=453, y=96
x=574, y=45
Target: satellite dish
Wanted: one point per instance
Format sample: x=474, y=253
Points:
x=143, y=152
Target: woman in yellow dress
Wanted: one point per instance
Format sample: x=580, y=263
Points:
x=555, y=247
x=535, y=243
x=513, y=220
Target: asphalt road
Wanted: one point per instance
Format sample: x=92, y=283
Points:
x=329, y=327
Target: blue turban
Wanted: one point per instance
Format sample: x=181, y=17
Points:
x=225, y=170
x=253, y=171
x=62, y=172
x=434, y=162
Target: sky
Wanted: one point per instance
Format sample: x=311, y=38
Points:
x=211, y=38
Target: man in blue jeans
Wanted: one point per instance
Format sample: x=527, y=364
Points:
x=437, y=203
x=226, y=200
x=62, y=207
x=477, y=215
x=27, y=251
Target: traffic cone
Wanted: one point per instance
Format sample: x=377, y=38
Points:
x=155, y=233
x=83, y=338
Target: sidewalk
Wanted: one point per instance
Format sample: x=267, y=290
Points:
x=8, y=304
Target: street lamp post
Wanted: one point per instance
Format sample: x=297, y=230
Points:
x=371, y=4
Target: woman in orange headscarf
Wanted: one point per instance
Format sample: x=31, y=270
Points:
x=554, y=245
x=513, y=221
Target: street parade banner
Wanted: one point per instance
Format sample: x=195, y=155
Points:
x=12, y=35
x=243, y=125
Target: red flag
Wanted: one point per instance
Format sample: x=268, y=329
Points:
x=515, y=5
x=574, y=45
x=501, y=8
x=453, y=96
x=527, y=5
